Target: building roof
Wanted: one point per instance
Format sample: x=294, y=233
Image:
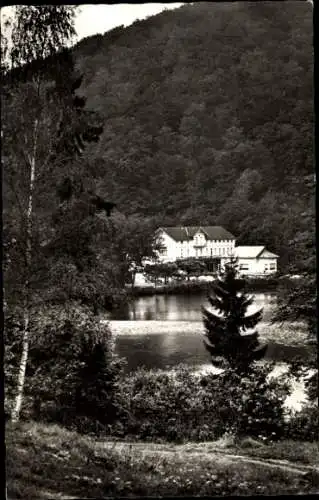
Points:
x=252, y=252
x=185, y=233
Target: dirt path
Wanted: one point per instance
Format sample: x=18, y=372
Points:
x=186, y=454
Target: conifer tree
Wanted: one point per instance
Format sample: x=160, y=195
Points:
x=230, y=330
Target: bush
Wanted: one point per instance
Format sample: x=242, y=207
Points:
x=304, y=425
x=72, y=371
x=184, y=406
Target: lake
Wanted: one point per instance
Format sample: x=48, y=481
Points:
x=161, y=331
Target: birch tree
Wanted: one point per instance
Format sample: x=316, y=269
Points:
x=33, y=108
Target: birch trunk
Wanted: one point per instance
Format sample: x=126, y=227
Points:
x=26, y=332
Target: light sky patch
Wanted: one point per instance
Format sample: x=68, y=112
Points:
x=100, y=18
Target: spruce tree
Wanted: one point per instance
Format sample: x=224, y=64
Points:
x=230, y=330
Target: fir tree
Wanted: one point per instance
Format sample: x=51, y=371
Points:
x=230, y=334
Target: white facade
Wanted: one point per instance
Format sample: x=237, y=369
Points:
x=199, y=243
x=256, y=261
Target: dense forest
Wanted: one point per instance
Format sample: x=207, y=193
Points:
x=208, y=113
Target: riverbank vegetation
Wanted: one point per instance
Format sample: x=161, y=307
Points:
x=199, y=286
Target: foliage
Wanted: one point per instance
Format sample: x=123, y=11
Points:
x=43, y=118
x=192, y=267
x=72, y=370
x=299, y=301
x=164, y=270
x=132, y=240
x=183, y=406
x=304, y=425
x=35, y=106
x=40, y=31
x=226, y=336
x=77, y=254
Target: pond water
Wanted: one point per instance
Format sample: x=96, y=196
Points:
x=161, y=331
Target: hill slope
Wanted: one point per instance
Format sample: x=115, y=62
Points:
x=209, y=117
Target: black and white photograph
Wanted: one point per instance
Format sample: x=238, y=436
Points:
x=159, y=250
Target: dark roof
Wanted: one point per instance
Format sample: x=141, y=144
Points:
x=184, y=233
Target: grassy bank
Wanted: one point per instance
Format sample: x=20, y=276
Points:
x=191, y=287
x=49, y=462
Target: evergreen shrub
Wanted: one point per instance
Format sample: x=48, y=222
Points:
x=184, y=406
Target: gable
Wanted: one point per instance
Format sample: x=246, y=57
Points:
x=186, y=233
x=200, y=234
x=248, y=252
x=164, y=235
x=265, y=254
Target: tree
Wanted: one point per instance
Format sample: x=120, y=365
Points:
x=75, y=254
x=132, y=240
x=191, y=266
x=97, y=375
x=85, y=395
x=228, y=326
x=299, y=301
x=164, y=270
x=43, y=119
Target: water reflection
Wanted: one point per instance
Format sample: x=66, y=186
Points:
x=185, y=307
x=161, y=351
x=164, y=330
x=166, y=351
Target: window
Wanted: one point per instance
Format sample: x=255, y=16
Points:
x=211, y=252
x=244, y=267
x=272, y=266
x=163, y=251
x=199, y=239
x=224, y=251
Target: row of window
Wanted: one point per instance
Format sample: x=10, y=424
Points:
x=198, y=252
x=214, y=251
x=267, y=267
x=197, y=240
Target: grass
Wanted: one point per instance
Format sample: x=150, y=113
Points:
x=46, y=461
x=297, y=452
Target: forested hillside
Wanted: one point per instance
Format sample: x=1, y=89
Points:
x=208, y=115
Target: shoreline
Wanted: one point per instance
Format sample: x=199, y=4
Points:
x=253, y=284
